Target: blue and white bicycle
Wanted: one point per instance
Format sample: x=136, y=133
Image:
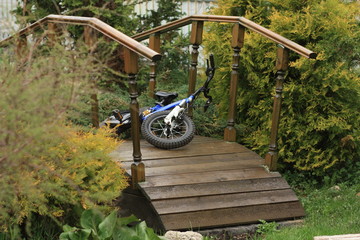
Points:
x=166, y=125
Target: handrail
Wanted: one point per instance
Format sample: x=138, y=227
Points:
x=96, y=24
x=229, y=19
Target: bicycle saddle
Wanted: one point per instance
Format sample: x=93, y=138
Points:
x=165, y=98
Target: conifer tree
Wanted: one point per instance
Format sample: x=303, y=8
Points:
x=320, y=128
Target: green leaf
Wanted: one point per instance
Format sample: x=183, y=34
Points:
x=153, y=236
x=127, y=220
x=141, y=230
x=81, y=234
x=64, y=236
x=106, y=227
x=125, y=233
x=91, y=219
x=67, y=228
x=75, y=234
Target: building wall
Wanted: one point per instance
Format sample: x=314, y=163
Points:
x=188, y=7
x=7, y=21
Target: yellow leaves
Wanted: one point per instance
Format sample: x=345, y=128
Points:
x=58, y=213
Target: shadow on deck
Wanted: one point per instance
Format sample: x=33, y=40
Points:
x=208, y=183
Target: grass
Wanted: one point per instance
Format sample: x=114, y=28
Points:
x=330, y=211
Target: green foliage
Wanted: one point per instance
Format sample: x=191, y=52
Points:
x=266, y=227
x=48, y=168
x=319, y=128
x=116, y=13
x=95, y=226
x=167, y=11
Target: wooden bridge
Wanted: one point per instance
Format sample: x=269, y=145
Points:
x=208, y=183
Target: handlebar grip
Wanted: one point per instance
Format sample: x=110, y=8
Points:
x=212, y=62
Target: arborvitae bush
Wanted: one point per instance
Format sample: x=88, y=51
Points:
x=320, y=121
x=46, y=166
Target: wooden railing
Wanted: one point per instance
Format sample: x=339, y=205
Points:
x=237, y=41
x=132, y=50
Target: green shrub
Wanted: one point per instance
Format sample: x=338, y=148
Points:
x=319, y=129
x=48, y=168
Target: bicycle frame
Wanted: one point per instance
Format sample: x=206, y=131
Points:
x=210, y=71
x=170, y=106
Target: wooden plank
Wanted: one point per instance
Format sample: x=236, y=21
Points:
x=339, y=237
x=201, y=167
x=244, y=156
x=195, y=204
x=203, y=189
x=126, y=144
x=232, y=216
x=206, y=177
x=200, y=149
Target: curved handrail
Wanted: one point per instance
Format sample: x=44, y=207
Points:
x=229, y=19
x=96, y=24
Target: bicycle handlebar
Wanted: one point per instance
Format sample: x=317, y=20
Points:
x=210, y=71
x=212, y=62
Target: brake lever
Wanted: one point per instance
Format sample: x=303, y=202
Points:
x=207, y=104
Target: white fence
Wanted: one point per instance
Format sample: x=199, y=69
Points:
x=188, y=7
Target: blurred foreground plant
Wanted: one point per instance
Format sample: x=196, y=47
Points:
x=46, y=167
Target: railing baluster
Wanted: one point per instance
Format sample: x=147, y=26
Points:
x=132, y=68
x=90, y=38
x=238, y=34
x=51, y=34
x=154, y=44
x=21, y=46
x=282, y=63
x=195, y=40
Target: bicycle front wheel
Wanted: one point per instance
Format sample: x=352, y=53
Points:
x=154, y=131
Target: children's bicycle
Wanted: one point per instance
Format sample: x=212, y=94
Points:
x=166, y=125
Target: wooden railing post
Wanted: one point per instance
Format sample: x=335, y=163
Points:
x=237, y=42
x=154, y=44
x=51, y=34
x=90, y=38
x=282, y=63
x=132, y=68
x=195, y=40
x=21, y=46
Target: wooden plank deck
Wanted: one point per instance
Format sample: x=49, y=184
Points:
x=208, y=183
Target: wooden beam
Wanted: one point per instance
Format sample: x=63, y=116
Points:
x=132, y=68
x=154, y=44
x=237, y=42
x=90, y=36
x=21, y=46
x=90, y=39
x=282, y=63
x=52, y=33
x=195, y=40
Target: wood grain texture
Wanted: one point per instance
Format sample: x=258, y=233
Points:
x=194, y=204
x=232, y=216
x=210, y=183
x=215, y=188
x=208, y=177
